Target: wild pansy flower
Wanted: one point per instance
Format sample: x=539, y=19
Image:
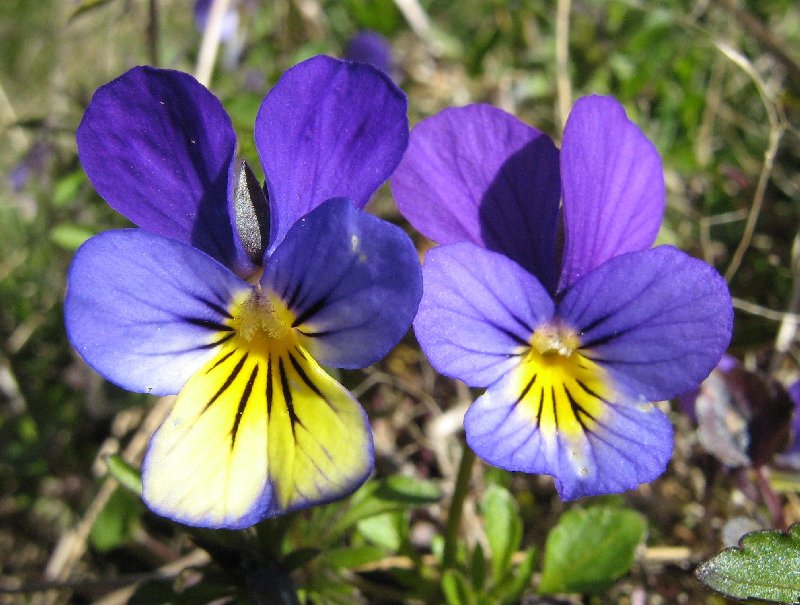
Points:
x=572, y=341
x=232, y=301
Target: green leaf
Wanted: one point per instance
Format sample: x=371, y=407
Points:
x=85, y=6
x=511, y=591
x=70, y=236
x=503, y=528
x=115, y=524
x=377, y=497
x=456, y=589
x=299, y=558
x=349, y=557
x=127, y=475
x=388, y=530
x=766, y=566
x=478, y=567
x=408, y=490
x=590, y=548
x=67, y=187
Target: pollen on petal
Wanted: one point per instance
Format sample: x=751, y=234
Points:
x=262, y=317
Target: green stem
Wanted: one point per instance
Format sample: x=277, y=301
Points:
x=457, y=508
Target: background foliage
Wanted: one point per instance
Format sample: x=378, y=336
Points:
x=714, y=83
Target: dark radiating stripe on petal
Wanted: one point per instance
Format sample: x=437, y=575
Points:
x=310, y=312
x=541, y=407
x=527, y=388
x=248, y=389
x=304, y=377
x=287, y=395
x=220, y=361
x=321, y=334
x=595, y=323
x=521, y=322
x=311, y=459
x=515, y=337
x=216, y=343
x=216, y=307
x=291, y=299
x=208, y=324
x=228, y=382
x=578, y=410
x=320, y=304
x=599, y=342
x=591, y=393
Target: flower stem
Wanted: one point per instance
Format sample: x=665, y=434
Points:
x=457, y=507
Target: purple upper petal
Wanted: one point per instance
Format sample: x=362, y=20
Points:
x=613, y=187
x=478, y=174
x=158, y=147
x=478, y=312
x=658, y=320
x=146, y=311
x=328, y=129
x=352, y=280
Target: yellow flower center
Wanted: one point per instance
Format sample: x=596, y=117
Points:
x=560, y=389
x=550, y=339
x=261, y=321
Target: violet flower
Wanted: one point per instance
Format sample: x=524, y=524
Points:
x=572, y=351
x=232, y=304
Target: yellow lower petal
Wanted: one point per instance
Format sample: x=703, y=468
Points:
x=562, y=393
x=257, y=432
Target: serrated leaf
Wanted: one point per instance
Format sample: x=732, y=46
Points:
x=457, y=589
x=590, y=548
x=503, y=528
x=765, y=566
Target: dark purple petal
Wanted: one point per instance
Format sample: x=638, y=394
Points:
x=658, y=319
x=351, y=280
x=328, y=129
x=628, y=445
x=478, y=312
x=478, y=174
x=159, y=148
x=613, y=187
x=145, y=311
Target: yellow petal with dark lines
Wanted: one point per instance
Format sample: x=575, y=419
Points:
x=561, y=393
x=260, y=430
